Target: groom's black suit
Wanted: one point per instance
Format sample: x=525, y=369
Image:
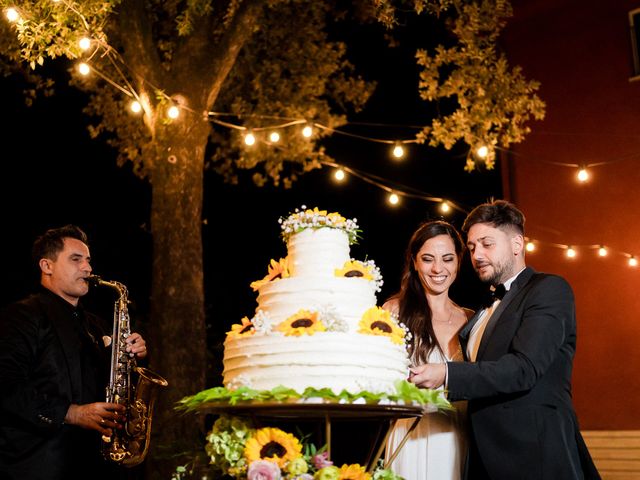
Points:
x=522, y=421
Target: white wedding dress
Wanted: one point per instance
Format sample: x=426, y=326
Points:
x=437, y=447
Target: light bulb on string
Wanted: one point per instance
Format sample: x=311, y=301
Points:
x=482, y=152
x=173, y=112
x=583, y=174
x=444, y=207
x=84, y=68
x=249, y=139
x=602, y=251
x=571, y=253
x=12, y=14
x=530, y=246
x=274, y=137
x=633, y=261
x=398, y=151
x=393, y=199
x=339, y=175
x=307, y=131
x=135, y=106
x=84, y=43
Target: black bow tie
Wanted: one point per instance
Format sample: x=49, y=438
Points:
x=494, y=294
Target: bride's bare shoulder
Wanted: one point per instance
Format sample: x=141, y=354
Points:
x=392, y=306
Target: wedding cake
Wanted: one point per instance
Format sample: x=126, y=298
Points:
x=316, y=323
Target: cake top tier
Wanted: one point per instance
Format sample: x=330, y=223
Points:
x=303, y=218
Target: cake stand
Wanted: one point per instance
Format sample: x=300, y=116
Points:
x=327, y=411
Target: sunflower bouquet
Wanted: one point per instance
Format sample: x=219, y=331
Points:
x=237, y=451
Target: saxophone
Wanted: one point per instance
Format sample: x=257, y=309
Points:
x=128, y=446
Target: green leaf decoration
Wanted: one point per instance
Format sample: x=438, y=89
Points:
x=406, y=392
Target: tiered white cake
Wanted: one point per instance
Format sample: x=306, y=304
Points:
x=317, y=324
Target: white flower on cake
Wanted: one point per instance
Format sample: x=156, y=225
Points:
x=276, y=270
x=262, y=322
x=331, y=319
x=407, y=333
x=367, y=270
x=240, y=381
x=378, y=321
x=304, y=218
x=303, y=322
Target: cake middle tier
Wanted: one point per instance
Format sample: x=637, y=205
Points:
x=346, y=298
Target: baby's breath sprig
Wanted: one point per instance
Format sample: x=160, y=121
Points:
x=374, y=270
x=407, y=333
x=303, y=218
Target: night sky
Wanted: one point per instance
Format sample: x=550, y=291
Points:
x=53, y=174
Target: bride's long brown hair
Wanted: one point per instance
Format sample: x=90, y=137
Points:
x=413, y=308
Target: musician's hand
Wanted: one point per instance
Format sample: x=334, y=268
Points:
x=136, y=345
x=99, y=416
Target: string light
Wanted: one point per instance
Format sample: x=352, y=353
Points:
x=135, y=106
x=633, y=261
x=444, y=207
x=274, y=137
x=173, y=112
x=482, y=152
x=583, y=175
x=602, y=251
x=12, y=14
x=571, y=253
x=307, y=131
x=249, y=139
x=84, y=68
x=530, y=246
x=394, y=199
x=339, y=175
x=85, y=43
x=398, y=151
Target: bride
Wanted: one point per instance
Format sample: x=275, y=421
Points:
x=436, y=447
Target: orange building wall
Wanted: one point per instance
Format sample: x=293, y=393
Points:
x=580, y=52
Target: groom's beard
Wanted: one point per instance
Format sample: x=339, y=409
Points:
x=499, y=272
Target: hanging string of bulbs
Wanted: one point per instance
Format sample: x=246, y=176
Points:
x=340, y=172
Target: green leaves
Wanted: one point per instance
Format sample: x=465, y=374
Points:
x=490, y=103
x=405, y=392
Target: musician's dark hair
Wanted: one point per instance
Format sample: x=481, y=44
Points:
x=51, y=243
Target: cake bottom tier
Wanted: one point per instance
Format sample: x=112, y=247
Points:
x=335, y=360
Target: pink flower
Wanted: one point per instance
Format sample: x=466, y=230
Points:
x=263, y=470
x=321, y=460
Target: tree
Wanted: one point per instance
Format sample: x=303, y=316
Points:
x=248, y=59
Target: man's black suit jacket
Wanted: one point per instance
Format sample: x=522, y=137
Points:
x=522, y=420
x=41, y=374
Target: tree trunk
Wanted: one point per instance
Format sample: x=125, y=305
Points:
x=178, y=337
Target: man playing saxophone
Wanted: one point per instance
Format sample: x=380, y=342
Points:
x=54, y=359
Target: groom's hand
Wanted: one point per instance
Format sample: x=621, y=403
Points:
x=429, y=375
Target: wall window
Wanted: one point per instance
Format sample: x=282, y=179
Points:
x=634, y=23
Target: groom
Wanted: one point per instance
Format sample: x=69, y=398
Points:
x=520, y=352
